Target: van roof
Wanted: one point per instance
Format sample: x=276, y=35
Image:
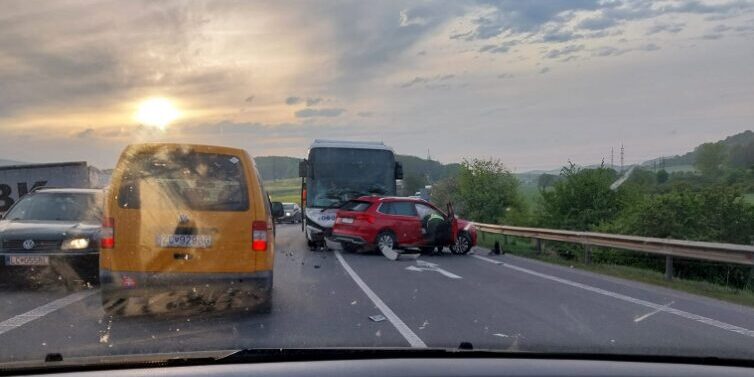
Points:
x=323, y=143
x=197, y=147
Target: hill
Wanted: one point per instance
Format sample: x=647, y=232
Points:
x=738, y=140
x=10, y=162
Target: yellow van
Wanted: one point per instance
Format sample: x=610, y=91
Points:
x=186, y=224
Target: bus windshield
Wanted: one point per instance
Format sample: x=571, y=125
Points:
x=340, y=174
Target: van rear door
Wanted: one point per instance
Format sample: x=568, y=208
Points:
x=184, y=211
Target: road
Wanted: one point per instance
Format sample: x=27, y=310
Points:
x=325, y=299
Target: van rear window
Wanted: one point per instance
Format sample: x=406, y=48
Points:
x=355, y=206
x=184, y=180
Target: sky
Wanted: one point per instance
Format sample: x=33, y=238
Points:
x=534, y=84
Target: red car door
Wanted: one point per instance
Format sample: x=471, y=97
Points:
x=402, y=218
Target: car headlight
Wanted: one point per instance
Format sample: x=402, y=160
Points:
x=287, y=213
x=75, y=244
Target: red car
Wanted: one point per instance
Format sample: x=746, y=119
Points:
x=373, y=222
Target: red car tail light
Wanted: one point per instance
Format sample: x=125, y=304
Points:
x=107, y=233
x=259, y=236
x=365, y=217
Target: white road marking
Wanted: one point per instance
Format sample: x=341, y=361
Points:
x=487, y=259
x=41, y=311
x=658, y=307
x=426, y=266
x=645, y=316
x=399, y=325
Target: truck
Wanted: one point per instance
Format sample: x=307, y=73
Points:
x=335, y=172
x=18, y=180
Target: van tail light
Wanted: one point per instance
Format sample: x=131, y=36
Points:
x=365, y=217
x=107, y=233
x=259, y=236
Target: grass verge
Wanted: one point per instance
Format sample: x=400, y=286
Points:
x=522, y=247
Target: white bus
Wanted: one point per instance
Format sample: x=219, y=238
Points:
x=337, y=171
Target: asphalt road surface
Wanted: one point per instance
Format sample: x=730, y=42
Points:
x=325, y=299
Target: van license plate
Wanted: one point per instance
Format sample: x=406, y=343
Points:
x=27, y=260
x=184, y=240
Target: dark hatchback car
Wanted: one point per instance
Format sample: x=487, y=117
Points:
x=291, y=214
x=51, y=236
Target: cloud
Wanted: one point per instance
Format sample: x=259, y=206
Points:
x=563, y=52
x=649, y=47
x=365, y=114
x=525, y=17
x=85, y=134
x=249, y=99
x=665, y=27
x=609, y=51
x=615, y=51
x=293, y=100
x=558, y=36
x=427, y=80
x=313, y=101
x=597, y=23
x=311, y=113
x=498, y=48
x=544, y=70
x=505, y=76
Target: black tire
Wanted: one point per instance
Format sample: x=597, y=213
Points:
x=386, y=238
x=462, y=245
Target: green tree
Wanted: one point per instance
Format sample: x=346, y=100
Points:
x=742, y=156
x=413, y=182
x=581, y=199
x=446, y=191
x=717, y=213
x=546, y=180
x=662, y=176
x=488, y=191
x=710, y=158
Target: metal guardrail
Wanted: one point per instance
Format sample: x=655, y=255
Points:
x=710, y=251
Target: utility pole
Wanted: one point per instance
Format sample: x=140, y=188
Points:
x=621, y=158
x=612, y=158
x=429, y=158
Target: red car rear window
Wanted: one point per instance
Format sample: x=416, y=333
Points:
x=356, y=206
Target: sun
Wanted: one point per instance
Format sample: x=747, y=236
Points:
x=156, y=112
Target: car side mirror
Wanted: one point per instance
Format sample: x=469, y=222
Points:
x=277, y=209
x=398, y=170
x=303, y=168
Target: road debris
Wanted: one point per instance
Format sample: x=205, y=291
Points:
x=377, y=318
x=389, y=253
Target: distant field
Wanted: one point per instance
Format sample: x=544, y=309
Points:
x=284, y=190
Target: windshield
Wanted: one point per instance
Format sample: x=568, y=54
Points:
x=198, y=181
x=57, y=207
x=545, y=177
x=338, y=175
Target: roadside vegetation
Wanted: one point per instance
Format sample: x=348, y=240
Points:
x=711, y=202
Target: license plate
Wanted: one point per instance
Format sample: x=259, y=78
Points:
x=184, y=240
x=27, y=260
x=347, y=220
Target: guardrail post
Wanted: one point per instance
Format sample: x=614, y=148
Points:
x=539, y=246
x=587, y=254
x=668, y=267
